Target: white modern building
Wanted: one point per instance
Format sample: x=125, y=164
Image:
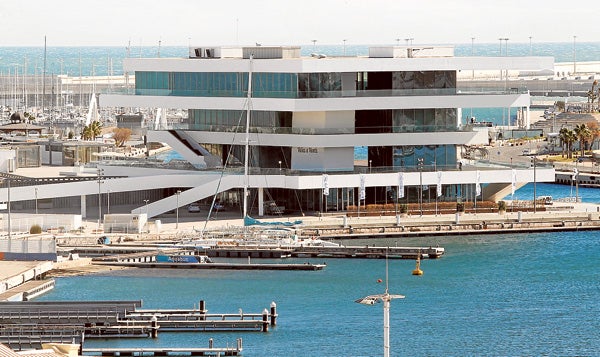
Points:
x=325, y=132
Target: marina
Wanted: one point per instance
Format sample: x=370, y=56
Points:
x=476, y=300
x=458, y=291
x=29, y=324
x=106, y=254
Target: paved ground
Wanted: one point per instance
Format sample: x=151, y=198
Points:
x=9, y=269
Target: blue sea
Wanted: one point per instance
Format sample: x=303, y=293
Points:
x=586, y=194
x=101, y=61
x=496, y=295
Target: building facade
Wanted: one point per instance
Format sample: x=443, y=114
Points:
x=328, y=132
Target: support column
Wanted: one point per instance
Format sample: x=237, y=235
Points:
x=527, y=119
x=83, y=207
x=261, y=208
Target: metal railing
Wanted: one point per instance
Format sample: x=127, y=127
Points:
x=257, y=93
x=408, y=128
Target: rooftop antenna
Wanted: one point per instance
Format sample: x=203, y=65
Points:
x=386, y=298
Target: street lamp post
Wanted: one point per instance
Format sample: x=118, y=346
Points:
x=576, y=182
x=8, y=207
x=530, y=48
x=420, y=166
x=36, y=195
x=146, y=204
x=386, y=298
x=473, y=71
x=108, y=201
x=100, y=171
x=344, y=47
x=534, y=185
x=177, y=211
x=279, y=165
x=574, y=56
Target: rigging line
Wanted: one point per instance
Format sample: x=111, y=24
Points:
x=229, y=155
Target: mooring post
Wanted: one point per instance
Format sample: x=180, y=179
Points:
x=154, y=326
x=202, y=308
x=265, y=321
x=273, y=313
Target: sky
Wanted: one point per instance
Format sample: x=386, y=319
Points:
x=292, y=22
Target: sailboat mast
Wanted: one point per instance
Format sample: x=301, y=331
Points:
x=247, y=138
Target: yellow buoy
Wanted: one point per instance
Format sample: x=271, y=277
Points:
x=417, y=270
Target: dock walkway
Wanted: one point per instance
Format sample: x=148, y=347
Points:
x=26, y=325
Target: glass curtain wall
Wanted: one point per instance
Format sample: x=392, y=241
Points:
x=216, y=84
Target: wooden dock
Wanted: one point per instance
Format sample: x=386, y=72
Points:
x=219, y=266
x=366, y=252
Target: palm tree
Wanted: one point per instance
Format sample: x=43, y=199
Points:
x=96, y=128
x=583, y=134
x=567, y=138
x=592, y=95
x=92, y=131
x=87, y=133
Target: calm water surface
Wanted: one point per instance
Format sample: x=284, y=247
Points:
x=509, y=295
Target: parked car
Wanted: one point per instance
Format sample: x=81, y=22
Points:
x=218, y=206
x=193, y=207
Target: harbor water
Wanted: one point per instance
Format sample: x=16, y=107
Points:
x=508, y=295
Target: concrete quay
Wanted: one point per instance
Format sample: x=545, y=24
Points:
x=19, y=280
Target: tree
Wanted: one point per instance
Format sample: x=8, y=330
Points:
x=29, y=117
x=121, y=135
x=583, y=134
x=92, y=131
x=592, y=95
x=567, y=138
x=87, y=133
x=595, y=132
x=96, y=128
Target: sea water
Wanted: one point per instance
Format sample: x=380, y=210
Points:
x=104, y=60
x=586, y=194
x=489, y=295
